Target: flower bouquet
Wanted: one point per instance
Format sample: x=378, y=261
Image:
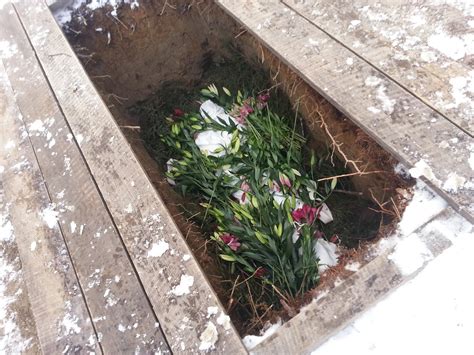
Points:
x=245, y=165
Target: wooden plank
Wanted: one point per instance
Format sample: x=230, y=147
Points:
x=17, y=325
x=118, y=305
x=426, y=46
x=61, y=316
x=398, y=121
x=177, y=289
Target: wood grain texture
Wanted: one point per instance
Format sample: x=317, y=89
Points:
x=398, y=121
x=62, y=321
x=121, y=313
x=177, y=288
x=426, y=46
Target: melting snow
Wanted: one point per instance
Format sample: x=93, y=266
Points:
x=251, y=341
x=211, y=311
x=158, y=249
x=410, y=254
x=183, y=288
x=432, y=313
x=7, y=49
x=454, y=183
x=224, y=321
x=208, y=337
x=353, y=266
x=50, y=215
x=422, y=168
x=424, y=205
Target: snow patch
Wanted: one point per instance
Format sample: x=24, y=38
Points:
x=37, y=126
x=211, y=311
x=454, y=183
x=453, y=47
x=224, y=321
x=208, y=337
x=50, y=215
x=158, y=249
x=7, y=49
x=388, y=104
x=410, y=254
x=424, y=205
x=353, y=266
x=372, y=81
x=421, y=168
x=184, y=285
x=251, y=341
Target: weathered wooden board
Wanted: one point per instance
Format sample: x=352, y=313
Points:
x=425, y=46
x=121, y=313
x=330, y=312
x=177, y=289
x=17, y=324
x=398, y=121
x=60, y=313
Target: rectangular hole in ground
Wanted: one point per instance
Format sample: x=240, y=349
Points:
x=150, y=60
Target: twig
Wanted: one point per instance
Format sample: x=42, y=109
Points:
x=231, y=300
x=117, y=98
x=383, y=210
x=396, y=208
x=359, y=173
x=57, y=54
x=253, y=304
x=131, y=127
x=240, y=33
x=101, y=76
x=337, y=146
x=164, y=7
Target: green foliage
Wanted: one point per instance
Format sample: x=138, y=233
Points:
x=264, y=160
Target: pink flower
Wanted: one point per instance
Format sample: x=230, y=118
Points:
x=231, y=241
x=245, y=186
x=244, y=111
x=262, y=100
x=305, y=214
x=263, y=97
x=260, y=272
x=285, y=181
x=178, y=112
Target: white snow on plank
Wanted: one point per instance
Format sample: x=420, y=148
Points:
x=431, y=314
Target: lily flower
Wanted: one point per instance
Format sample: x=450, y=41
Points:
x=285, y=180
x=231, y=241
x=305, y=214
x=244, y=111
